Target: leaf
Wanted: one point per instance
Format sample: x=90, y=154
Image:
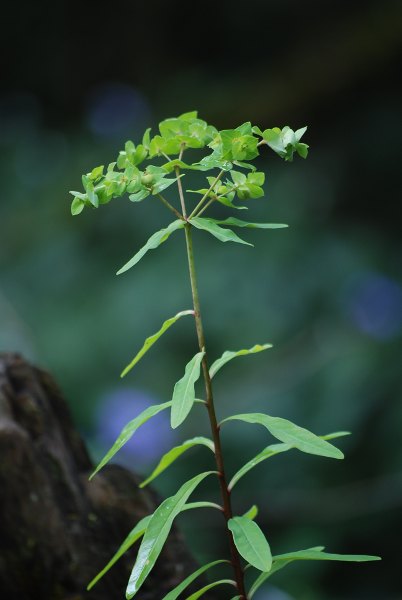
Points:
x=229, y=355
x=140, y=195
x=172, y=164
x=201, y=504
x=266, y=453
x=135, y=534
x=289, y=433
x=251, y=542
x=157, y=531
x=239, y=223
x=336, y=434
x=128, y=431
x=223, y=235
x=252, y=512
x=154, y=241
x=163, y=184
x=276, y=566
x=77, y=206
x=175, y=593
x=168, y=458
x=272, y=451
x=184, y=393
x=282, y=560
x=313, y=554
x=209, y=586
x=150, y=341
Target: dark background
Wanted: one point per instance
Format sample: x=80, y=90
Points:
x=78, y=79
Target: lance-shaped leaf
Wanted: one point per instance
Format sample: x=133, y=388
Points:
x=229, y=355
x=175, y=593
x=239, y=223
x=128, y=431
x=168, y=458
x=154, y=241
x=184, y=393
x=289, y=433
x=316, y=554
x=272, y=450
x=282, y=560
x=209, y=586
x=157, y=531
x=223, y=235
x=251, y=542
x=266, y=453
x=150, y=341
x=276, y=566
x=135, y=534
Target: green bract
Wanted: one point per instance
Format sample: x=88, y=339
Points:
x=149, y=169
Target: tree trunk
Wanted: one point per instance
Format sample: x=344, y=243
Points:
x=56, y=529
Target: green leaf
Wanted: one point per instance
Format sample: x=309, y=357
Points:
x=96, y=173
x=202, y=504
x=282, y=560
x=168, y=458
x=223, y=235
x=239, y=223
x=227, y=201
x=184, y=393
x=154, y=241
x=336, y=434
x=171, y=165
x=209, y=586
x=266, y=453
x=175, y=593
x=313, y=554
x=289, y=433
x=163, y=184
x=150, y=341
x=140, y=195
x=272, y=451
x=229, y=355
x=238, y=178
x=77, y=205
x=135, y=534
x=128, y=431
x=252, y=512
x=276, y=566
x=251, y=543
x=157, y=531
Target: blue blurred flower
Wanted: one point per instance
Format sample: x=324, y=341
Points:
x=375, y=305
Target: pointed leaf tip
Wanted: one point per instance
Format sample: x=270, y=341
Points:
x=150, y=341
x=154, y=241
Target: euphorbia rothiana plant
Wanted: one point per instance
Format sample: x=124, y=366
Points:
x=149, y=169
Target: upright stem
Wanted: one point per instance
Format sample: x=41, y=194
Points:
x=227, y=508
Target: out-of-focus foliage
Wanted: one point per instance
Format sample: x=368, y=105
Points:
x=329, y=289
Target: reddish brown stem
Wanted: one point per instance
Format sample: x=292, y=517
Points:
x=226, y=502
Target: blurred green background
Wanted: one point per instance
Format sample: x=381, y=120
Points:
x=78, y=80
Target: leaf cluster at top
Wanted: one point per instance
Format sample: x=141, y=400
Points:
x=228, y=148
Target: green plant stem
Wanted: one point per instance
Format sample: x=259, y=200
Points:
x=205, y=196
x=170, y=207
x=183, y=204
x=226, y=502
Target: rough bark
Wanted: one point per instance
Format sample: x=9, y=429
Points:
x=57, y=530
